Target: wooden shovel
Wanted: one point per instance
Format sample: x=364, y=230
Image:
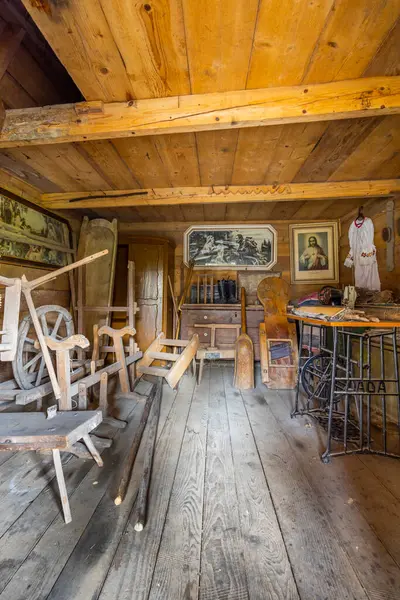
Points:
x=244, y=353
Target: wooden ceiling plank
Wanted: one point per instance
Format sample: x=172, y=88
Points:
x=355, y=98
x=286, y=34
x=30, y=75
x=171, y=213
x=217, y=213
x=151, y=40
x=353, y=34
x=143, y=159
x=179, y=156
x=10, y=164
x=10, y=41
x=216, y=156
x=382, y=143
x=336, y=144
x=254, y=152
x=47, y=167
x=295, y=144
x=193, y=213
x=79, y=34
x=19, y=187
x=149, y=214
x=386, y=60
x=105, y=156
x=222, y=194
x=341, y=53
x=310, y=210
x=70, y=159
x=15, y=14
x=219, y=38
x=13, y=94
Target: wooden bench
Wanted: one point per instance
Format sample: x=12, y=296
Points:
x=33, y=431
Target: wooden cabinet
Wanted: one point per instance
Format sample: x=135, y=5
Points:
x=153, y=258
x=220, y=313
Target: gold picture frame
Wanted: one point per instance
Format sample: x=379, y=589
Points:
x=314, y=252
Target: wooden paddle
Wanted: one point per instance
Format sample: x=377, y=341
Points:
x=244, y=353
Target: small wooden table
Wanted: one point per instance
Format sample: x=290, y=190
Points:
x=33, y=431
x=213, y=352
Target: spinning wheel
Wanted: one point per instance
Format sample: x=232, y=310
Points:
x=29, y=364
x=316, y=377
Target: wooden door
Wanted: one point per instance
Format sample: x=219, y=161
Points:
x=151, y=266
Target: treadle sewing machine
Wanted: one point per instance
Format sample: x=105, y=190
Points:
x=351, y=384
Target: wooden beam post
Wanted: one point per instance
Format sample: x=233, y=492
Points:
x=353, y=98
x=282, y=192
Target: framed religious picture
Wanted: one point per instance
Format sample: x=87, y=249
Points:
x=231, y=246
x=30, y=234
x=314, y=253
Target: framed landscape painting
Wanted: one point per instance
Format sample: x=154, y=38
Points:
x=31, y=235
x=231, y=246
x=314, y=253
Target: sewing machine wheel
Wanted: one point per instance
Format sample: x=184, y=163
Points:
x=28, y=366
x=316, y=377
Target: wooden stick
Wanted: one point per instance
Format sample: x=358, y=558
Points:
x=140, y=509
x=36, y=282
x=42, y=341
x=131, y=316
x=130, y=458
x=188, y=281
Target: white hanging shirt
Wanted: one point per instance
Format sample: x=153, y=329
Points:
x=362, y=255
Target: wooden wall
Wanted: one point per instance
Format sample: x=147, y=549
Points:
x=389, y=280
x=250, y=279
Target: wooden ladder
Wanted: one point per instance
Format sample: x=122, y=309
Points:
x=156, y=351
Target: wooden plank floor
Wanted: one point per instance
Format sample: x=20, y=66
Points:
x=241, y=509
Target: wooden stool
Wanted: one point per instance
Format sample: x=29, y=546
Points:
x=117, y=335
x=32, y=431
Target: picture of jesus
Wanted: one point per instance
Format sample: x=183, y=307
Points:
x=314, y=253
x=313, y=258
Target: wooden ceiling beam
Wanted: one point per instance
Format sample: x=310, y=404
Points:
x=222, y=194
x=96, y=120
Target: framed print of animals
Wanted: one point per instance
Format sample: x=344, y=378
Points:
x=314, y=252
x=244, y=247
x=31, y=235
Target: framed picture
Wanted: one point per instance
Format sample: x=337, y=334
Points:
x=30, y=234
x=314, y=253
x=231, y=246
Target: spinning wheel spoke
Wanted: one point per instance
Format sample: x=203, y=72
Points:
x=56, y=326
x=40, y=372
x=31, y=363
x=45, y=328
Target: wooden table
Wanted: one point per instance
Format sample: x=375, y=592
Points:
x=33, y=431
x=333, y=376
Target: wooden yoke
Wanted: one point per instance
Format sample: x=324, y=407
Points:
x=117, y=335
x=62, y=349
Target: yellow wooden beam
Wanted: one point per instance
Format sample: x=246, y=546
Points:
x=282, y=192
x=352, y=98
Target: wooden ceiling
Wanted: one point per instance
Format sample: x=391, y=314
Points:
x=116, y=50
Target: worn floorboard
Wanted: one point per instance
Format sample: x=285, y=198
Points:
x=241, y=508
